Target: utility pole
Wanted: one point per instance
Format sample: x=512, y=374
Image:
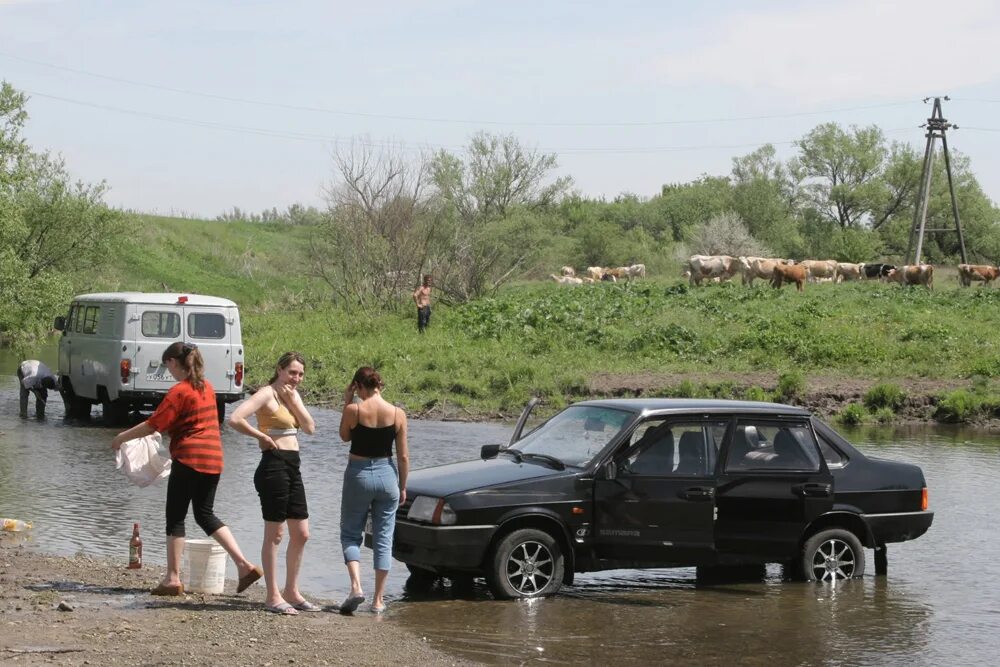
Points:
x=936, y=126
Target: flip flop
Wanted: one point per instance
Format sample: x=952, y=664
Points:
x=377, y=610
x=248, y=578
x=306, y=605
x=351, y=603
x=282, y=608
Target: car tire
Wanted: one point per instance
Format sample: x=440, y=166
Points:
x=526, y=563
x=115, y=413
x=833, y=555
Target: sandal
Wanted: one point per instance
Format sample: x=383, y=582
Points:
x=168, y=589
x=282, y=608
x=306, y=605
x=248, y=578
x=351, y=603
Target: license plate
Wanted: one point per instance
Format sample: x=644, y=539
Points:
x=157, y=377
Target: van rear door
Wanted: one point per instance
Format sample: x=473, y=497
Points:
x=210, y=327
x=158, y=326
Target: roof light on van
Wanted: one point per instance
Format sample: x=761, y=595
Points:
x=182, y=299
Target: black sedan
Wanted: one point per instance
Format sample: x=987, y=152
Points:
x=659, y=483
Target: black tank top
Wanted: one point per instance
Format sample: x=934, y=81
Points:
x=372, y=441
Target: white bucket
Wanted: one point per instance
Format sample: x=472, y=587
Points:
x=205, y=567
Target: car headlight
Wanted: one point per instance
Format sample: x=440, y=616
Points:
x=431, y=510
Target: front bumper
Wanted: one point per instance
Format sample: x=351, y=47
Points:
x=898, y=526
x=439, y=548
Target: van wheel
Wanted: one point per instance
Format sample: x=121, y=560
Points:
x=75, y=407
x=115, y=412
x=525, y=564
x=833, y=555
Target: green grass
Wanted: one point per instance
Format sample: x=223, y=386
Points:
x=487, y=357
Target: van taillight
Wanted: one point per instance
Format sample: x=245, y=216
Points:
x=239, y=373
x=126, y=368
x=923, y=498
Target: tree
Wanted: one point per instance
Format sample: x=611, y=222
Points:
x=845, y=175
x=374, y=242
x=496, y=200
x=726, y=234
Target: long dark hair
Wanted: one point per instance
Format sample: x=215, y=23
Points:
x=191, y=361
x=284, y=361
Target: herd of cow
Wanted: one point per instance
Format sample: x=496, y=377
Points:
x=596, y=274
x=721, y=268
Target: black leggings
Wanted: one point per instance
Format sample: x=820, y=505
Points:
x=187, y=486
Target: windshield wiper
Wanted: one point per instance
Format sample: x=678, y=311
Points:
x=548, y=458
x=516, y=453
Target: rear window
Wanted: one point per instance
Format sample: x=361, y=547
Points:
x=159, y=324
x=90, y=319
x=206, y=325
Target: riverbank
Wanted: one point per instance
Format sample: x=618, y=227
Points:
x=86, y=611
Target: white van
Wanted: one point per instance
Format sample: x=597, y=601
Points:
x=111, y=346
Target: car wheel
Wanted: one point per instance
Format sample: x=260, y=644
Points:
x=527, y=563
x=832, y=555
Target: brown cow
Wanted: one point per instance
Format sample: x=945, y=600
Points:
x=984, y=272
x=913, y=274
x=792, y=273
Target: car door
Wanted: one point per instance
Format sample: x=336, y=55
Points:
x=658, y=508
x=773, y=483
x=157, y=326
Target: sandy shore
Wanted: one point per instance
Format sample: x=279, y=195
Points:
x=85, y=611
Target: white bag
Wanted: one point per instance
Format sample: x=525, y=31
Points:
x=142, y=460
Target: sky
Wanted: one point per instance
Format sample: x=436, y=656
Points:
x=194, y=107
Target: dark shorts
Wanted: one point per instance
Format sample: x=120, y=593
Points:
x=423, y=317
x=279, y=484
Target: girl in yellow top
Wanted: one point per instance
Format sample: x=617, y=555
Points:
x=280, y=415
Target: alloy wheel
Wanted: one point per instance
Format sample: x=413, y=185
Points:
x=530, y=568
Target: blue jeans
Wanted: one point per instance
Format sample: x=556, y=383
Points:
x=372, y=484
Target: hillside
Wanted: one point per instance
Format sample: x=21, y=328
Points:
x=825, y=347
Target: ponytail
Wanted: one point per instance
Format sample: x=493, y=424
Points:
x=191, y=361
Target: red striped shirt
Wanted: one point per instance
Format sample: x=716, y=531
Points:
x=192, y=420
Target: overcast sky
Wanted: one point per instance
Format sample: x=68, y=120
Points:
x=192, y=107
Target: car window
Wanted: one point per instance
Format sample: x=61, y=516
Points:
x=777, y=446
x=71, y=321
x=661, y=448
x=160, y=324
x=90, y=318
x=206, y=325
x=832, y=456
x=575, y=435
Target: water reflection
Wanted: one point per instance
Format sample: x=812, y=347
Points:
x=937, y=606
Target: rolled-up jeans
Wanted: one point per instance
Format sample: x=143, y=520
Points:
x=369, y=485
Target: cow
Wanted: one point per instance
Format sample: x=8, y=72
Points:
x=635, y=271
x=566, y=280
x=595, y=272
x=758, y=267
x=848, y=271
x=820, y=269
x=795, y=273
x=723, y=267
x=568, y=271
x=914, y=274
x=984, y=272
x=876, y=271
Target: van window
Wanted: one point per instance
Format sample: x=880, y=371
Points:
x=90, y=319
x=206, y=325
x=71, y=320
x=159, y=324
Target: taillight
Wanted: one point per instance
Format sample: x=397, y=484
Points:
x=126, y=369
x=923, y=498
x=239, y=373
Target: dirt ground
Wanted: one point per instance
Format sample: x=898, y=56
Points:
x=82, y=611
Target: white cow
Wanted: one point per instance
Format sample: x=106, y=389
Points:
x=704, y=267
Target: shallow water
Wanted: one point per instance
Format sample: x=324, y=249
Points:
x=939, y=604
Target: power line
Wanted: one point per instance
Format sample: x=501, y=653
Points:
x=426, y=119
x=324, y=139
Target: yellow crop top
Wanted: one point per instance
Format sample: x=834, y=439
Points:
x=281, y=421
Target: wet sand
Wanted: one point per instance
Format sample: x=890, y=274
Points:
x=86, y=611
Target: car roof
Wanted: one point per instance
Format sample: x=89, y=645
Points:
x=665, y=405
x=158, y=298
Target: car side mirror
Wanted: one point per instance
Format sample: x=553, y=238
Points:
x=489, y=452
x=60, y=323
x=610, y=470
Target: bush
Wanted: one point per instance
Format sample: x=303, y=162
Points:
x=885, y=395
x=756, y=393
x=853, y=415
x=958, y=406
x=885, y=415
x=791, y=385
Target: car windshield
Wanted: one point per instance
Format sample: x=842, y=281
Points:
x=575, y=435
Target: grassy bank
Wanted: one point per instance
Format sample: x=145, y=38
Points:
x=826, y=347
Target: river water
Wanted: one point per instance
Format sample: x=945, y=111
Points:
x=939, y=605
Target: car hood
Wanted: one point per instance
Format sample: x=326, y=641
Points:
x=445, y=480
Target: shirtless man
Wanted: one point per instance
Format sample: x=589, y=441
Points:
x=422, y=297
